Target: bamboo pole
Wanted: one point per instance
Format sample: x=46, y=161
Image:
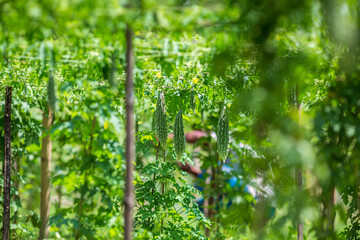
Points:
x=46, y=147
x=130, y=145
x=298, y=170
x=7, y=165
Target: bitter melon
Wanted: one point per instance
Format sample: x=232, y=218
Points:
x=179, y=135
x=160, y=116
x=223, y=135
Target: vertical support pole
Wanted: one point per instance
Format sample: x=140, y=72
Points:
x=46, y=147
x=7, y=165
x=130, y=146
x=298, y=170
x=299, y=183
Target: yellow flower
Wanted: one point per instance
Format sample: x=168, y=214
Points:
x=195, y=80
x=158, y=75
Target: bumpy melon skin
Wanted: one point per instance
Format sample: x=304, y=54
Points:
x=192, y=100
x=179, y=135
x=153, y=123
x=223, y=135
x=161, y=120
x=51, y=93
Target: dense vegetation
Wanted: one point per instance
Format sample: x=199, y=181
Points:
x=269, y=88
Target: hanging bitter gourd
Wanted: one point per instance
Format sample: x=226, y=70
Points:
x=51, y=54
x=153, y=122
x=179, y=135
x=192, y=99
x=291, y=94
x=223, y=135
x=42, y=56
x=160, y=117
x=51, y=92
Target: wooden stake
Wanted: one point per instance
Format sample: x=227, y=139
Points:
x=7, y=165
x=298, y=170
x=130, y=145
x=46, y=147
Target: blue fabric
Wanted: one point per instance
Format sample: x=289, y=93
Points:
x=234, y=182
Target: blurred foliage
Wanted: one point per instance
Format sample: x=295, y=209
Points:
x=286, y=70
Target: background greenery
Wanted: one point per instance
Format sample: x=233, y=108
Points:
x=287, y=71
